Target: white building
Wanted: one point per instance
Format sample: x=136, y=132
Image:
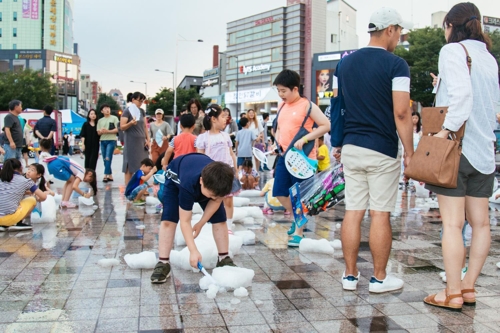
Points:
x=340, y=26
x=437, y=19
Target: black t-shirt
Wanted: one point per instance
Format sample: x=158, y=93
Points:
x=187, y=169
x=12, y=122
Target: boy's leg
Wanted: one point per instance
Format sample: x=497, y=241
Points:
x=168, y=225
x=229, y=206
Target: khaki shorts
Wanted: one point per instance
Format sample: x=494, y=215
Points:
x=25, y=206
x=370, y=178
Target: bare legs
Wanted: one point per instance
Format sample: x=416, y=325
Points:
x=166, y=238
x=68, y=188
x=287, y=203
x=229, y=207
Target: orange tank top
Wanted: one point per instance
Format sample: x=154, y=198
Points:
x=184, y=144
x=289, y=121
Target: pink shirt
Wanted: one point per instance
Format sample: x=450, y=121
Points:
x=216, y=146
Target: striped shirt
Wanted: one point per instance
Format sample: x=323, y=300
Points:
x=473, y=98
x=13, y=192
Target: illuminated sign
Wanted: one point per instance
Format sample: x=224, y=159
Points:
x=63, y=58
x=255, y=68
x=53, y=19
x=268, y=20
x=210, y=82
x=495, y=21
x=29, y=56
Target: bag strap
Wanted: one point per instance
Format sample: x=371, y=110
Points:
x=301, y=126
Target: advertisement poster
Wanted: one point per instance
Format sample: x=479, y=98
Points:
x=324, y=86
x=26, y=9
x=34, y=9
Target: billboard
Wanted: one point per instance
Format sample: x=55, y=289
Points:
x=30, y=9
x=491, y=24
x=324, y=86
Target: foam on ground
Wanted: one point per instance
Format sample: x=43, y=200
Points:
x=336, y=244
x=152, y=201
x=239, y=201
x=108, y=262
x=247, y=236
x=240, y=292
x=143, y=260
x=212, y=291
x=233, y=277
x=315, y=245
x=249, y=193
x=48, y=209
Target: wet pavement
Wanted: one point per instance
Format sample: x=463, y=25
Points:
x=50, y=280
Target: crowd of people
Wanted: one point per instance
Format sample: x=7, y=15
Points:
x=211, y=159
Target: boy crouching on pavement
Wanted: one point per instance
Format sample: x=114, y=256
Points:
x=193, y=178
x=137, y=186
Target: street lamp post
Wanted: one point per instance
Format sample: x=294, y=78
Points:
x=66, y=88
x=145, y=84
x=176, y=61
x=173, y=76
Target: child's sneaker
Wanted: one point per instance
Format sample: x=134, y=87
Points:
x=227, y=261
x=139, y=202
x=287, y=213
x=291, y=231
x=67, y=204
x=268, y=211
x=350, y=282
x=295, y=241
x=20, y=226
x=161, y=272
x=390, y=283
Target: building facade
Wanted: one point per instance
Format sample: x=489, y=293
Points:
x=259, y=47
x=86, y=101
x=36, y=24
x=63, y=68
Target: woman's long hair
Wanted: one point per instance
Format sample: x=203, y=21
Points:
x=9, y=167
x=419, y=123
x=92, y=183
x=255, y=120
x=465, y=21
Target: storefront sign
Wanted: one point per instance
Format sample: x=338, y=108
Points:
x=210, y=73
x=210, y=82
x=26, y=9
x=255, y=68
x=53, y=19
x=495, y=21
x=268, y=20
x=34, y=9
x=254, y=95
x=63, y=58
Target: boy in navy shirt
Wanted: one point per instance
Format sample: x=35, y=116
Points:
x=193, y=178
x=137, y=185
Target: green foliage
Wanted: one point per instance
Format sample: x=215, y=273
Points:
x=106, y=99
x=495, y=46
x=165, y=100
x=422, y=58
x=32, y=88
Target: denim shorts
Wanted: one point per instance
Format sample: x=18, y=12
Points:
x=240, y=160
x=136, y=191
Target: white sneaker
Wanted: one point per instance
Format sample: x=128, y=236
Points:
x=350, y=282
x=443, y=274
x=390, y=283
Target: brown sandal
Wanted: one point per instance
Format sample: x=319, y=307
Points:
x=431, y=300
x=470, y=301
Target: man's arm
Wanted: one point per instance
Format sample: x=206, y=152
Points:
x=404, y=123
x=8, y=134
x=53, y=129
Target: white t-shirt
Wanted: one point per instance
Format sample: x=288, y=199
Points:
x=71, y=139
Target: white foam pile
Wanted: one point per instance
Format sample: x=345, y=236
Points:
x=338, y=225
x=108, y=262
x=58, y=199
x=258, y=302
x=247, y=236
x=152, y=201
x=235, y=301
x=233, y=277
x=143, y=260
x=240, y=201
x=336, y=244
x=82, y=201
x=315, y=245
x=142, y=226
x=498, y=264
x=48, y=210
x=212, y=291
x=249, y=193
x=240, y=292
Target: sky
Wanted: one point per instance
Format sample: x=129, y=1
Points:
x=126, y=40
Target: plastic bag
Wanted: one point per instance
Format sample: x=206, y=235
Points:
x=318, y=193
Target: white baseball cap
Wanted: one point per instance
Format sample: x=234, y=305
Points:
x=386, y=16
x=159, y=111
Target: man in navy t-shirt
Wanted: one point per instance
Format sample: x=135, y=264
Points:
x=193, y=178
x=375, y=86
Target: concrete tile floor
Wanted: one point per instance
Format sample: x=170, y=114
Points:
x=50, y=280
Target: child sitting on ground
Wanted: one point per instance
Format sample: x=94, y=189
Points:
x=35, y=172
x=248, y=176
x=138, y=184
x=193, y=178
x=272, y=204
x=63, y=168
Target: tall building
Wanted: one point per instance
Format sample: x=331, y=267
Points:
x=261, y=46
x=36, y=25
x=118, y=97
x=437, y=19
x=86, y=101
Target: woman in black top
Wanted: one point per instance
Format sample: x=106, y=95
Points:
x=90, y=140
x=65, y=144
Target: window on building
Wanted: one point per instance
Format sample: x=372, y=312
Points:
x=14, y=16
x=333, y=38
x=276, y=54
x=0, y=15
x=276, y=27
x=232, y=38
x=14, y=32
x=0, y=32
x=232, y=62
x=232, y=85
x=14, y=46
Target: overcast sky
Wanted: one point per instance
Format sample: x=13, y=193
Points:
x=124, y=40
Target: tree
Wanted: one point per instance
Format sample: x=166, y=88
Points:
x=165, y=100
x=495, y=46
x=422, y=57
x=31, y=87
x=106, y=99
